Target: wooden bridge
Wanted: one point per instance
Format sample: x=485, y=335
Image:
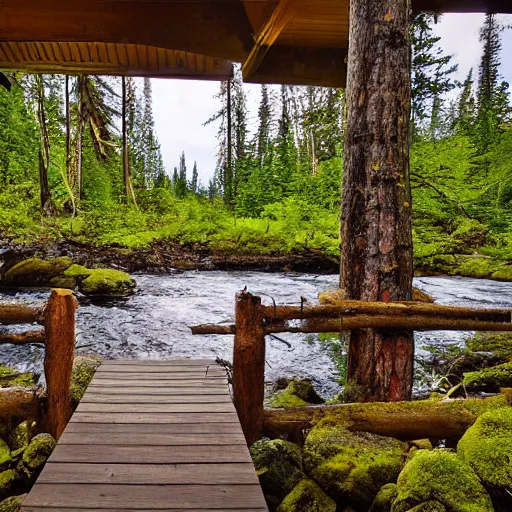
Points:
x=152, y=435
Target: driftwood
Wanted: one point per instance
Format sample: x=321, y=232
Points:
x=393, y=309
x=17, y=314
x=23, y=338
x=60, y=352
x=403, y=420
x=22, y=402
x=249, y=365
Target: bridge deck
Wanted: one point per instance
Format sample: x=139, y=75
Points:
x=153, y=436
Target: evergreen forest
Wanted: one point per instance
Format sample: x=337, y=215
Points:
x=80, y=160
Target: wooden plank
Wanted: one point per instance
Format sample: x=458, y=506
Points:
x=166, y=429
x=110, y=408
x=179, y=370
x=163, y=376
x=145, y=398
x=102, y=454
x=162, y=362
x=67, y=509
x=154, y=391
x=159, y=383
x=95, y=417
x=155, y=474
x=143, y=497
x=149, y=438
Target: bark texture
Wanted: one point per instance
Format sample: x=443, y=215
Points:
x=58, y=362
x=376, y=254
x=249, y=365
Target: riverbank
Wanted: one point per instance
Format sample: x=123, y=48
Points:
x=168, y=256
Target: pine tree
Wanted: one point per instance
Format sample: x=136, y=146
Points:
x=181, y=184
x=465, y=107
x=264, y=117
x=194, y=183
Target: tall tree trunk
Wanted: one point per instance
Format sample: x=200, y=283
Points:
x=127, y=180
x=228, y=179
x=69, y=172
x=44, y=150
x=79, y=136
x=376, y=254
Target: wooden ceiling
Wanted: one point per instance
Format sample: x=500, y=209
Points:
x=277, y=41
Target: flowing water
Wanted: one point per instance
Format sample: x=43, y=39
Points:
x=154, y=323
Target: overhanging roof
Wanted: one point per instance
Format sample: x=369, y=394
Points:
x=278, y=41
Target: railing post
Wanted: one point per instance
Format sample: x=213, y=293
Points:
x=58, y=362
x=249, y=365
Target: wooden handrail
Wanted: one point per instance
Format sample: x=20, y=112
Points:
x=58, y=336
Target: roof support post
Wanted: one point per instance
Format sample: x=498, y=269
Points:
x=376, y=253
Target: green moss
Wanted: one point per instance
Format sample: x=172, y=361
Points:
x=296, y=394
x=351, y=466
x=36, y=272
x=476, y=266
x=441, y=476
x=278, y=464
x=5, y=455
x=384, y=498
x=503, y=273
x=487, y=448
x=12, y=504
x=77, y=271
x=306, y=496
x=20, y=436
x=63, y=282
x=470, y=233
x=489, y=379
x=499, y=344
x=38, y=451
x=7, y=481
x=429, y=506
x=81, y=376
x=10, y=377
x=107, y=282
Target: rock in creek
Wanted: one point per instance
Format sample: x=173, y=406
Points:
x=12, y=504
x=306, y=496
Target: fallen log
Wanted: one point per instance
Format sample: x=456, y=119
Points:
x=18, y=314
x=22, y=402
x=392, y=309
x=213, y=329
x=402, y=420
x=23, y=338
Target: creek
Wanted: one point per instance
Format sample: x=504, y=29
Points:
x=154, y=323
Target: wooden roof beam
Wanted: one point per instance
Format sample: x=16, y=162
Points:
x=280, y=17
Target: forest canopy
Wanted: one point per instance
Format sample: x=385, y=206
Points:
x=80, y=160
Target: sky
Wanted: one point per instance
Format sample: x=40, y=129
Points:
x=182, y=106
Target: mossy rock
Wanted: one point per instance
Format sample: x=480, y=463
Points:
x=489, y=379
x=107, y=283
x=351, y=466
x=77, y=271
x=8, y=480
x=5, y=455
x=421, y=296
x=306, y=496
x=385, y=498
x=487, y=448
x=83, y=371
x=10, y=377
x=36, y=271
x=12, y=504
x=20, y=435
x=429, y=506
x=439, y=475
x=503, y=273
x=63, y=282
x=37, y=452
x=278, y=465
x=297, y=394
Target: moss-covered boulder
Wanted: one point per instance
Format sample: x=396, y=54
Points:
x=36, y=271
x=10, y=377
x=296, y=394
x=20, y=435
x=12, y=504
x=306, y=496
x=439, y=475
x=489, y=379
x=5, y=455
x=107, y=283
x=498, y=344
x=351, y=466
x=487, y=448
x=503, y=273
x=429, y=506
x=8, y=480
x=83, y=371
x=384, y=499
x=37, y=453
x=278, y=465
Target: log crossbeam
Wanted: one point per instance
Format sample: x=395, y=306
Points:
x=279, y=19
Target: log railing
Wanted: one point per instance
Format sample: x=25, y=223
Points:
x=253, y=321
x=58, y=336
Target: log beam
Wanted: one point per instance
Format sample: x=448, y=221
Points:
x=58, y=362
x=280, y=17
x=20, y=402
x=19, y=314
x=249, y=365
x=23, y=338
x=405, y=420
